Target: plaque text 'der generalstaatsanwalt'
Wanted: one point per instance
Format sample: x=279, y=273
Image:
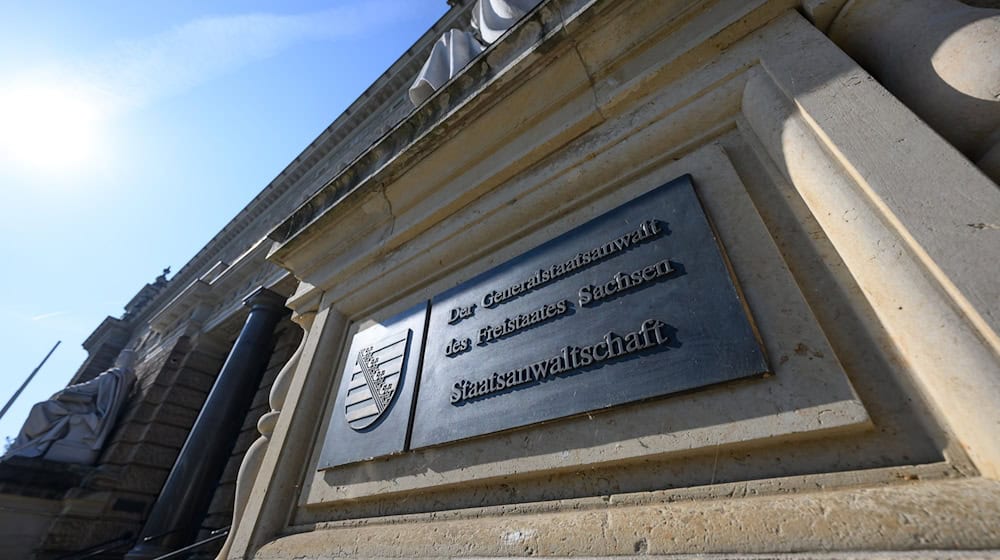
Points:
x=636, y=303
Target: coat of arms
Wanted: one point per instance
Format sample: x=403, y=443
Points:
x=375, y=375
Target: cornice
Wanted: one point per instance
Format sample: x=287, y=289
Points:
x=398, y=148
x=548, y=80
x=218, y=294
x=106, y=327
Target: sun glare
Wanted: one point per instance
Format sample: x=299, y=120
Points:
x=49, y=129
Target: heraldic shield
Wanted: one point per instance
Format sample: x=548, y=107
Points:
x=373, y=407
x=375, y=375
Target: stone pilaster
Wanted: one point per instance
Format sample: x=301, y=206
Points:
x=265, y=426
x=939, y=57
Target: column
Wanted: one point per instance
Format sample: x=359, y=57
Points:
x=185, y=496
x=255, y=454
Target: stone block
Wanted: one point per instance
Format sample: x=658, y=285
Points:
x=244, y=440
x=146, y=454
x=119, y=453
x=232, y=470
x=160, y=434
x=24, y=522
x=162, y=378
x=253, y=415
x=131, y=504
x=259, y=398
x=143, y=479
x=68, y=535
x=22, y=476
x=203, y=362
x=176, y=415
x=222, y=500
x=157, y=456
x=165, y=435
x=166, y=413
x=184, y=396
x=154, y=394
x=141, y=411
x=150, y=366
x=194, y=379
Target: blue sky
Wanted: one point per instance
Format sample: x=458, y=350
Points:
x=131, y=132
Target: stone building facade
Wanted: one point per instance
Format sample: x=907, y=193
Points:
x=846, y=155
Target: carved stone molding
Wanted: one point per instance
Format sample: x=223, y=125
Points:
x=255, y=454
x=939, y=57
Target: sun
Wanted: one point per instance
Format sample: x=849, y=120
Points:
x=50, y=129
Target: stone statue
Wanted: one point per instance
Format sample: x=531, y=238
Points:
x=452, y=52
x=161, y=280
x=492, y=18
x=73, y=424
x=456, y=48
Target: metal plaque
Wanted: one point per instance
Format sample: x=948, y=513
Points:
x=371, y=414
x=635, y=304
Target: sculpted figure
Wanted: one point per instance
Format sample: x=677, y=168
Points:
x=456, y=48
x=492, y=18
x=72, y=425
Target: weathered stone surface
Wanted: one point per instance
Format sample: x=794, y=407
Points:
x=222, y=500
x=180, y=396
x=260, y=398
x=965, y=514
x=680, y=425
x=80, y=533
x=24, y=522
x=254, y=414
x=194, y=379
x=148, y=454
x=638, y=93
x=166, y=413
x=950, y=76
x=206, y=363
x=162, y=434
x=40, y=478
x=142, y=479
x=244, y=440
x=131, y=504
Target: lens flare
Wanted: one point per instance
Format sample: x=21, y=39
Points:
x=50, y=129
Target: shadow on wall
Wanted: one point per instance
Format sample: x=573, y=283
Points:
x=903, y=213
x=939, y=57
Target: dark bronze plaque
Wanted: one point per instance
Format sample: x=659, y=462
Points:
x=375, y=394
x=635, y=304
